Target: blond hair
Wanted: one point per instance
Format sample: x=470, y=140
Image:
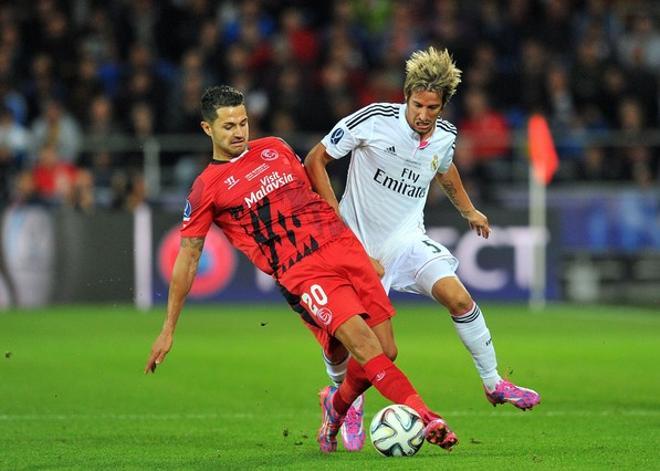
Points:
x=434, y=71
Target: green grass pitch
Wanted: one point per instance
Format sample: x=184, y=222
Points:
x=238, y=390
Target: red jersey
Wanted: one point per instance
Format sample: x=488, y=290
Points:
x=265, y=205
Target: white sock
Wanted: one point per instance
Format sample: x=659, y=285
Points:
x=336, y=371
x=472, y=330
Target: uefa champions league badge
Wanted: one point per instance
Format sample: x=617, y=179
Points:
x=336, y=135
x=187, y=211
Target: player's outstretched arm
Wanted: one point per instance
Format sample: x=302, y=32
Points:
x=452, y=185
x=183, y=275
x=315, y=162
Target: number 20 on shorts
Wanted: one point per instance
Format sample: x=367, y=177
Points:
x=315, y=298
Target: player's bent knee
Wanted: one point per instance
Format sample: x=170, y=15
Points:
x=365, y=351
x=359, y=339
x=457, y=303
x=460, y=306
x=451, y=293
x=391, y=352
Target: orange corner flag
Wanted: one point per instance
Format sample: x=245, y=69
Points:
x=542, y=153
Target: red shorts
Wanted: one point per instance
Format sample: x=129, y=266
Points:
x=334, y=284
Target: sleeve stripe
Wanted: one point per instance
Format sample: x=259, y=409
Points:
x=393, y=114
x=368, y=110
x=446, y=126
x=447, y=123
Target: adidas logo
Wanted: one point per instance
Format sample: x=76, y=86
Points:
x=391, y=150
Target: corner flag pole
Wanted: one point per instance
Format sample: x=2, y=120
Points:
x=544, y=163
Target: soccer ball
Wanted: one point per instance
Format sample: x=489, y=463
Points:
x=397, y=430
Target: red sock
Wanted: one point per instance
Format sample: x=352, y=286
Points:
x=395, y=386
x=354, y=384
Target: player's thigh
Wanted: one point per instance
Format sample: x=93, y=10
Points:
x=327, y=299
x=423, y=262
x=359, y=339
x=322, y=297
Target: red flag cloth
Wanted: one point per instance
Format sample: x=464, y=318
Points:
x=542, y=153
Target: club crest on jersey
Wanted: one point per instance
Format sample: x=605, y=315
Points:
x=336, y=135
x=231, y=181
x=324, y=315
x=187, y=211
x=269, y=154
x=435, y=163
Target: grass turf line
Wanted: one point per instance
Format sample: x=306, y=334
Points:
x=238, y=390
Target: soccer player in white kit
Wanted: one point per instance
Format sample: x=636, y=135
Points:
x=397, y=150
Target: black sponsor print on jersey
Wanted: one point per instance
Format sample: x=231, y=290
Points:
x=399, y=185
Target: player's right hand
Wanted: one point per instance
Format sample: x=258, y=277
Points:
x=478, y=222
x=160, y=348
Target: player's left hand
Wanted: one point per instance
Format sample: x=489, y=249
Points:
x=478, y=221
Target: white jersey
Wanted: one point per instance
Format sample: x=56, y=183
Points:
x=389, y=174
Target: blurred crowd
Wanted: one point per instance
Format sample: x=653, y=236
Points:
x=74, y=74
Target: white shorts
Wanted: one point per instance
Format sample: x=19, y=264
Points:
x=414, y=265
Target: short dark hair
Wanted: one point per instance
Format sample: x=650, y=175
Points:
x=217, y=97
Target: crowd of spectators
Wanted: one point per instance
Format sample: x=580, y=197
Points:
x=75, y=73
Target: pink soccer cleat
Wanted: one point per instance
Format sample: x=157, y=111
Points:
x=352, y=430
x=330, y=421
x=522, y=398
x=437, y=432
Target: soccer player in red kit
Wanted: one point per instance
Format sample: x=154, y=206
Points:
x=258, y=193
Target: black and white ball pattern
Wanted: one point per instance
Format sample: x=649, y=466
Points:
x=397, y=430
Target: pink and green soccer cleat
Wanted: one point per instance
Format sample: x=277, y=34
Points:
x=330, y=421
x=352, y=430
x=522, y=398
